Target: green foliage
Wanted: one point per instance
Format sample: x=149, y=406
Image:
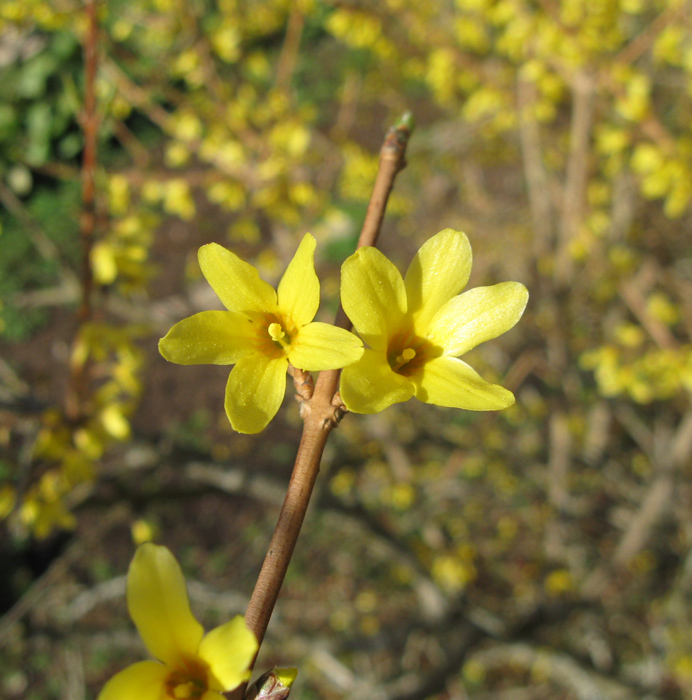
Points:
x=39, y=104
x=28, y=263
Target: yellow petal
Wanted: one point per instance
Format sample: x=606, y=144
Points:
x=158, y=604
x=438, y=272
x=209, y=338
x=321, y=346
x=370, y=385
x=447, y=381
x=299, y=289
x=235, y=282
x=229, y=651
x=478, y=315
x=143, y=680
x=373, y=296
x=254, y=392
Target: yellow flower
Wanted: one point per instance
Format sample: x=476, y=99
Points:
x=193, y=665
x=418, y=326
x=262, y=331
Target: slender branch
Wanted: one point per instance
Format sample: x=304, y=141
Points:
x=87, y=225
x=287, y=529
x=90, y=128
x=321, y=413
x=577, y=172
x=289, y=51
x=537, y=180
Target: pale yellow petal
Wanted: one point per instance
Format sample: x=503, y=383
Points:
x=143, y=681
x=229, y=651
x=254, y=392
x=447, y=381
x=438, y=272
x=159, y=606
x=235, y=282
x=373, y=296
x=478, y=315
x=209, y=338
x=321, y=346
x=370, y=385
x=299, y=289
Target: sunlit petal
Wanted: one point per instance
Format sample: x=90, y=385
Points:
x=373, y=296
x=370, y=385
x=143, y=680
x=447, y=381
x=478, y=315
x=158, y=604
x=254, y=392
x=321, y=346
x=299, y=289
x=438, y=272
x=235, y=282
x=209, y=337
x=229, y=650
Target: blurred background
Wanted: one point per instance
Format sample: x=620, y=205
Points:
x=543, y=552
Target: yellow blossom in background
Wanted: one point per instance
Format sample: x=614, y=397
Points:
x=261, y=333
x=417, y=327
x=190, y=664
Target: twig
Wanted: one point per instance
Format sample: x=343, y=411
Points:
x=562, y=669
x=289, y=51
x=577, y=173
x=45, y=247
x=90, y=128
x=633, y=293
x=668, y=454
x=321, y=414
x=74, y=395
x=58, y=569
x=558, y=475
x=534, y=171
x=673, y=454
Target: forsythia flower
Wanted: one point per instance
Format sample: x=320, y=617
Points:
x=418, y=326
x=262, y=331
x=193, y=665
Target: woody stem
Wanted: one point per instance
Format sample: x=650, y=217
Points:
x=320, y=415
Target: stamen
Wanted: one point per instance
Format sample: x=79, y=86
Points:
x=183, y=691
x=188, y=684
x=276, y=332
x=406, y=356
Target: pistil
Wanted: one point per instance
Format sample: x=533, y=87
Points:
x=406, y=356
x=278, y=335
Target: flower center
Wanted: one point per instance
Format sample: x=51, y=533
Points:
x=273, y=334
x=407, y=353
x=188, y=684
x=278, y=335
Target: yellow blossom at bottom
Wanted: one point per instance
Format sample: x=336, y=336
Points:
x=190, y=664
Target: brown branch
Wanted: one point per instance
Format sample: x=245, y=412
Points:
x=90, y=128
x=645, y=40
x=321, y=413
x=576, y=176
x=633, y=293
x=290, y=49
x=392, y=160
x=537, y=182
x=87, y=225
